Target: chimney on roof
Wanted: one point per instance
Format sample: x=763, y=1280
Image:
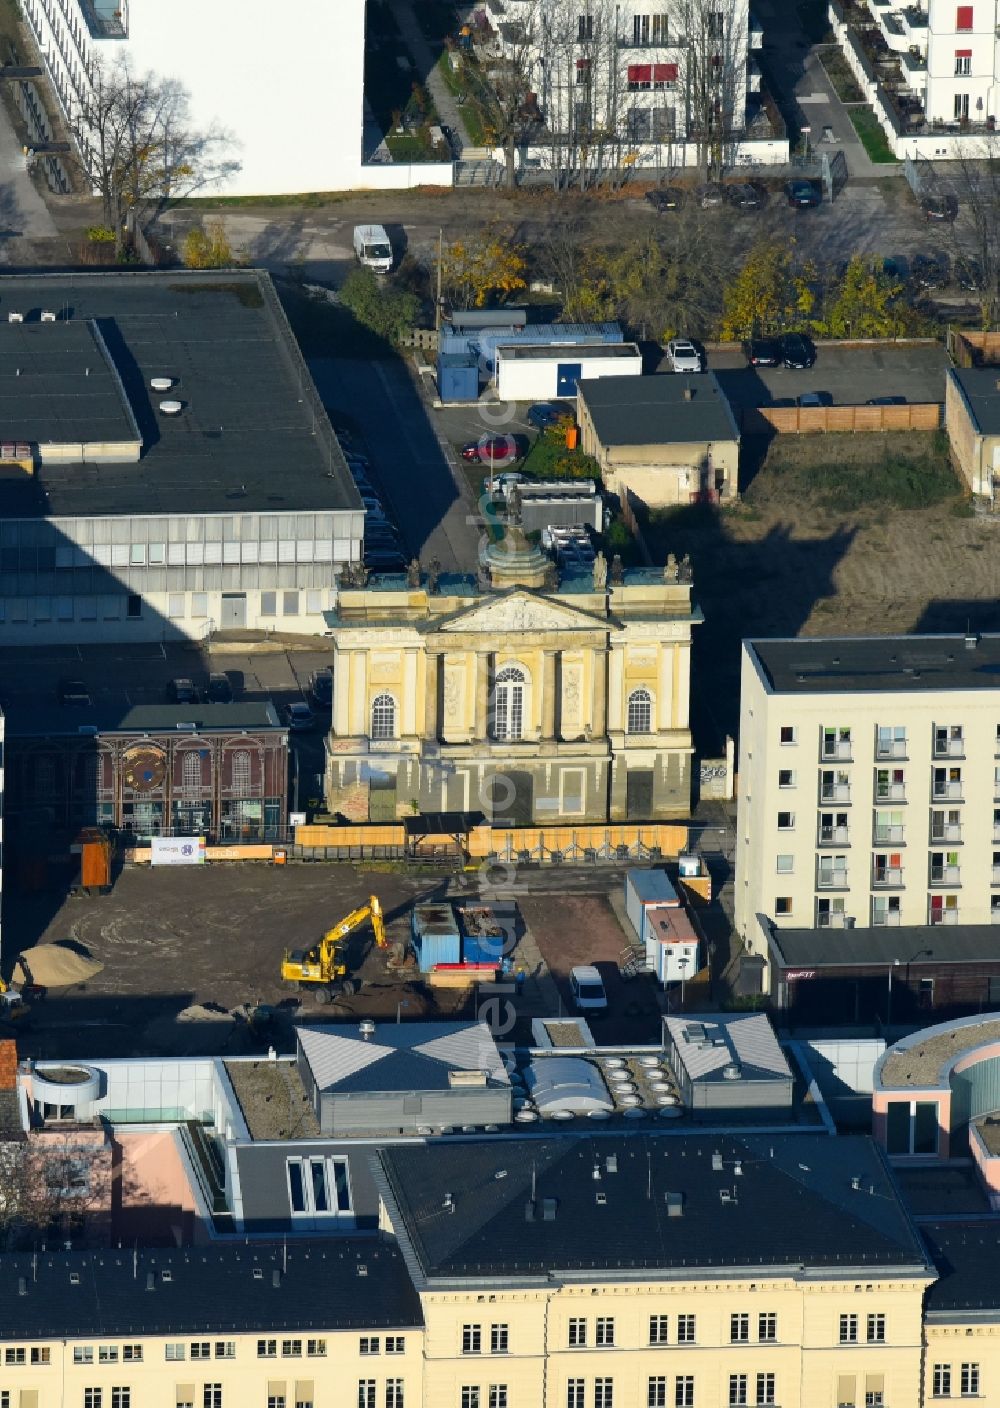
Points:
x=150, y=1280
x=276, y=1278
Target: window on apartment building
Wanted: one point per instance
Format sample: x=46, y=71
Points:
x=266, y=1349
x=875, y=1329
x=963, y=18
x=83, y=1354
x=739, y=1324
x=121, y=1397
x=470, y=1396
x=291, y=1349
x=394, y=1344
x=366, y=1393
x=969, y=1381
x=497, y=1397
x=885, y=910
x=275, y=1400
x=848, y=1329
x=767, y=1327
x=684, y=1391
x=225, y=1349
x=269, y=603
x=585, y=29
x=837, y=743
x=890, y=741
x=577, y=1332
x=175, y=605
x=316, y=1349
x=941, y=1381
x=786, y=777
x=318, y=1187
x=604, y=1393
x=472, y=1339
x=108, y=1354
x=640, y=711
x=583, y=71
x=604, y=1331
x=176, y=1351
x=737, y=1391
x=784, y=864
x=656, y=1391
x=961, y=109
x=14, y=1355
x=211, y=1396
x=685, y=1329
x=393, y=1393
x=93, y=1398
x=786, y=733
x=963, y=63
x=369, y=1344
x=783, y=904
x=658, y=1329
x=786, y=821
x=764, y=1394
x=499, y=1337
x=133, y=607
x=874, y=1397
x=201, y=1349
x=132, y=1353
x=575, y=1393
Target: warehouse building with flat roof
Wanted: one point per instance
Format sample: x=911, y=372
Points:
x=167, y=469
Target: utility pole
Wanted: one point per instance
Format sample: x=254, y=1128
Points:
x=437, y=300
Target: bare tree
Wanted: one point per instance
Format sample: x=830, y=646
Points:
x=53, y=1187
x=975, y=176
x=510, y=98
x=712, y=51
x=139, y=149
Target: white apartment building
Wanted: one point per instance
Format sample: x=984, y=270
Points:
x=287, y=81
x=948, y=65
x=869, y=782
x=629, y=75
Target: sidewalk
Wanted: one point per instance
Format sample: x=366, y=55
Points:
x=447, y=106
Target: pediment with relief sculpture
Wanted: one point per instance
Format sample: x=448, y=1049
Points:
x=522, y=612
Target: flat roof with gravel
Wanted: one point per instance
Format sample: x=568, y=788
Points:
x=919, y=1059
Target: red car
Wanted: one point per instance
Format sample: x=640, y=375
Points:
x=495, y=449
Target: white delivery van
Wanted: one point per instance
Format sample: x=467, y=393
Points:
x=373, y=248
x=587, y=988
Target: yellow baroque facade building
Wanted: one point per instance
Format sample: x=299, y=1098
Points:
x=524, y=698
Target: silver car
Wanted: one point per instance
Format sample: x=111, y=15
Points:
x=683, y=356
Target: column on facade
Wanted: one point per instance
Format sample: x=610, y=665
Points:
x=599, y=672
x=616, y=683
x=431, y=668
x=548, y=694
x=481, y=722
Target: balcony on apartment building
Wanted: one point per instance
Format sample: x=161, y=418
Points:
x=105, y=18
x=995, y=875
x=947, y=790
x=830, y=877
x=834, y=789
x=833, y=834
x=890, y=746
x=942, y=830
x=886, y=876
x=945, y=873
x=833, y=919
x=885, y=918
x=939, y=914
x=756, y=33
x=888, y=834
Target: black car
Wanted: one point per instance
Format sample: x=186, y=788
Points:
x=968, y=274
x=74, y=692
x=931, y=270
x=548, y=413
x=803, y=194
x=665, y=198
x=942, y=205
x=745, y=196
x=182, y=691
x=321, y=688
x=219, y=691
x=763, y=351
x=886, y=401
x=797, y=351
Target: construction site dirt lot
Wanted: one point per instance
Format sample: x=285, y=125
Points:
x=814, y=549
x=211, y=938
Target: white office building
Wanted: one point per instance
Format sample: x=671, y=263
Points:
x=287, y=81
x=869, y=783
x=167, y=469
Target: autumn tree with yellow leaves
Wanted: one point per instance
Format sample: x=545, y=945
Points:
x=483, y=269
x=767, y=295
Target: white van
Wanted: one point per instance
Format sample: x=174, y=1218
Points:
x=587, y=988
x=373, y=248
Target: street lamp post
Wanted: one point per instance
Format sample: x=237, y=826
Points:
x=897, y=963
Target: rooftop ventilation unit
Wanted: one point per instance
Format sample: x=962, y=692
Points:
x=367, y=1028
x=15, y=317
x=161, y=383
x=716, y=1162
x=48, y=316
x=731, y=1072
x=549, y=1206
x=675, y=1204
x=170, y=408
x=459, y=1080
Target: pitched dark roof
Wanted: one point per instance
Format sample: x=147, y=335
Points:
x=855, y=664
x=981, y=386
x=791, y=1205
x=883, y=945
x=210, y=1290
x=653, y=410
x=29, y=719
x=966, y=1255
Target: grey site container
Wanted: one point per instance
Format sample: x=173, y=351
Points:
x=436, y=937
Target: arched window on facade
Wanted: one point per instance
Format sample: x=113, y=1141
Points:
x=241, y=773
x=508, y=717
x=383, y=716
x=640, y=711
x=191, y=771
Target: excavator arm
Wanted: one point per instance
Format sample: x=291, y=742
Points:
x=323, y=963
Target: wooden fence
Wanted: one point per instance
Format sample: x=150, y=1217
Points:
x=971, y=348
x=809, y=420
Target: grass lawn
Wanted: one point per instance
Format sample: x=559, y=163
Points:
x=912, y=471
x=549, y=458
x=869, y=129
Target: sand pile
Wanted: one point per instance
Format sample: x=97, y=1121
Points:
x=194, y=1031
x=55, y=966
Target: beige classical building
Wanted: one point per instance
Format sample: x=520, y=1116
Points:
x=869, y=783
x=524, y=698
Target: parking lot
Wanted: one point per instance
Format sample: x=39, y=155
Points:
x=849, y=376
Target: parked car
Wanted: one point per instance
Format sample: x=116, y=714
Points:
x=587, y=989
x=74, y=692
x=763, y=351
x=745, y=196
x=220, y=690
x=710, y=195
x=942, y=205
x=503, y=484
x=500, y=449
x=182, y=691
x=321, y=688
x=299, y=716
x=886, y=401
x=545, y=414
x=814, y=398
x=803, y=194
x=797, y=351
x=665, y=198
x=683, y=356
x=968, y=274
x=895, y=266
x=931, y=270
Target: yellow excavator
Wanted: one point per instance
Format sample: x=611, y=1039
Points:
x=322, y=969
